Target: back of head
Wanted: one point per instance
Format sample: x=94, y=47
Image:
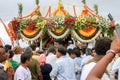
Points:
x=25, y=56
x=102, y=45
x=76, y=52
x=62, y=50
x=42, y=59
x=28, y=50
x=51, y=50
x=60, y=41
x=8, y=46
x=11, y=53
x=70, y=51
x=33, y=46
x=17, y=50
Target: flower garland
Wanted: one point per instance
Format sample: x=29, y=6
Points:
x=69, y=22
x=34, y=38
x=15, y=24
x=76, y=36
x=58, y=37
x=84, y=22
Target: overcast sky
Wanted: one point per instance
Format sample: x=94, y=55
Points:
x=9, y=8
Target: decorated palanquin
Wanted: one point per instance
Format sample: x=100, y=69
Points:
x=85, y=27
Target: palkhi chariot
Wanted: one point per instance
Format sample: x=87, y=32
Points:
x=58, y=24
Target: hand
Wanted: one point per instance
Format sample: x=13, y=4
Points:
x=115, y=45
x=112, y=24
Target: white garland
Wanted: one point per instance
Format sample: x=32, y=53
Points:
x=34, y=38
x=75, y=35
x=58, y=37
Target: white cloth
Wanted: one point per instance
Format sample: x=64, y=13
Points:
x=119, y=74
x=86, y=70
x=17, y=57
x=71, y=46
x=22, y=73
x=51, y=59
x=116, y=65
x=22, y=43
x=85, y=60
x=88, y=67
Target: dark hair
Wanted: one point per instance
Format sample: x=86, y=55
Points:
x=7, y=47
x=62, y=50
x=60, y=41
x=11, y=53
x=70, y=51
x=33, y=46
x=88, y=51
x=25, y=57
x=83, y=50
x=28, y=50
x=51, y=50
x=77, y=52
x=102, y=45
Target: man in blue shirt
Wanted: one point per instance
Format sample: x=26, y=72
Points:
x=64, y=67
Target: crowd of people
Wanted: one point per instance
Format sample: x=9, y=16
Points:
x=73, y=62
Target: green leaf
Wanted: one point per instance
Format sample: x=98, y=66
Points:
x=20, y=8
x=96, y=8
x=84, y=1
x=37, y=2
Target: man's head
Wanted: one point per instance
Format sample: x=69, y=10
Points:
x=26, y=58
x=71, y=53
x=51, y=50
x=102, y=45
x=33, y=46
x=58, y=42
x=11, y=54
x=17, y=50
x=28, y=50
x=61, y=51
x=2, y=55
x=8, y=46
x=76, y=52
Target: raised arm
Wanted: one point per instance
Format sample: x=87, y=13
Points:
x=99, y=69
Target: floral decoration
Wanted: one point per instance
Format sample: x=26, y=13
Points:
x=15, y=24
x=70, y=22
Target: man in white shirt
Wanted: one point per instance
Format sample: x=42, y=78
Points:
x=101, y=46
x=22, y=72
x=51, y=58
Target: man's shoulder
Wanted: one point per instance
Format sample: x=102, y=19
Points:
x=20, y=69
x=89, y=65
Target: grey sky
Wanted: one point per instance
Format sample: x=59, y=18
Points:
x=9, y=9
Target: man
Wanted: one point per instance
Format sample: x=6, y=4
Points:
x=34, y=67
x=58, y=43
x=64, y=66
x=101, y=47
x=51, y=58
x=23, y=72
